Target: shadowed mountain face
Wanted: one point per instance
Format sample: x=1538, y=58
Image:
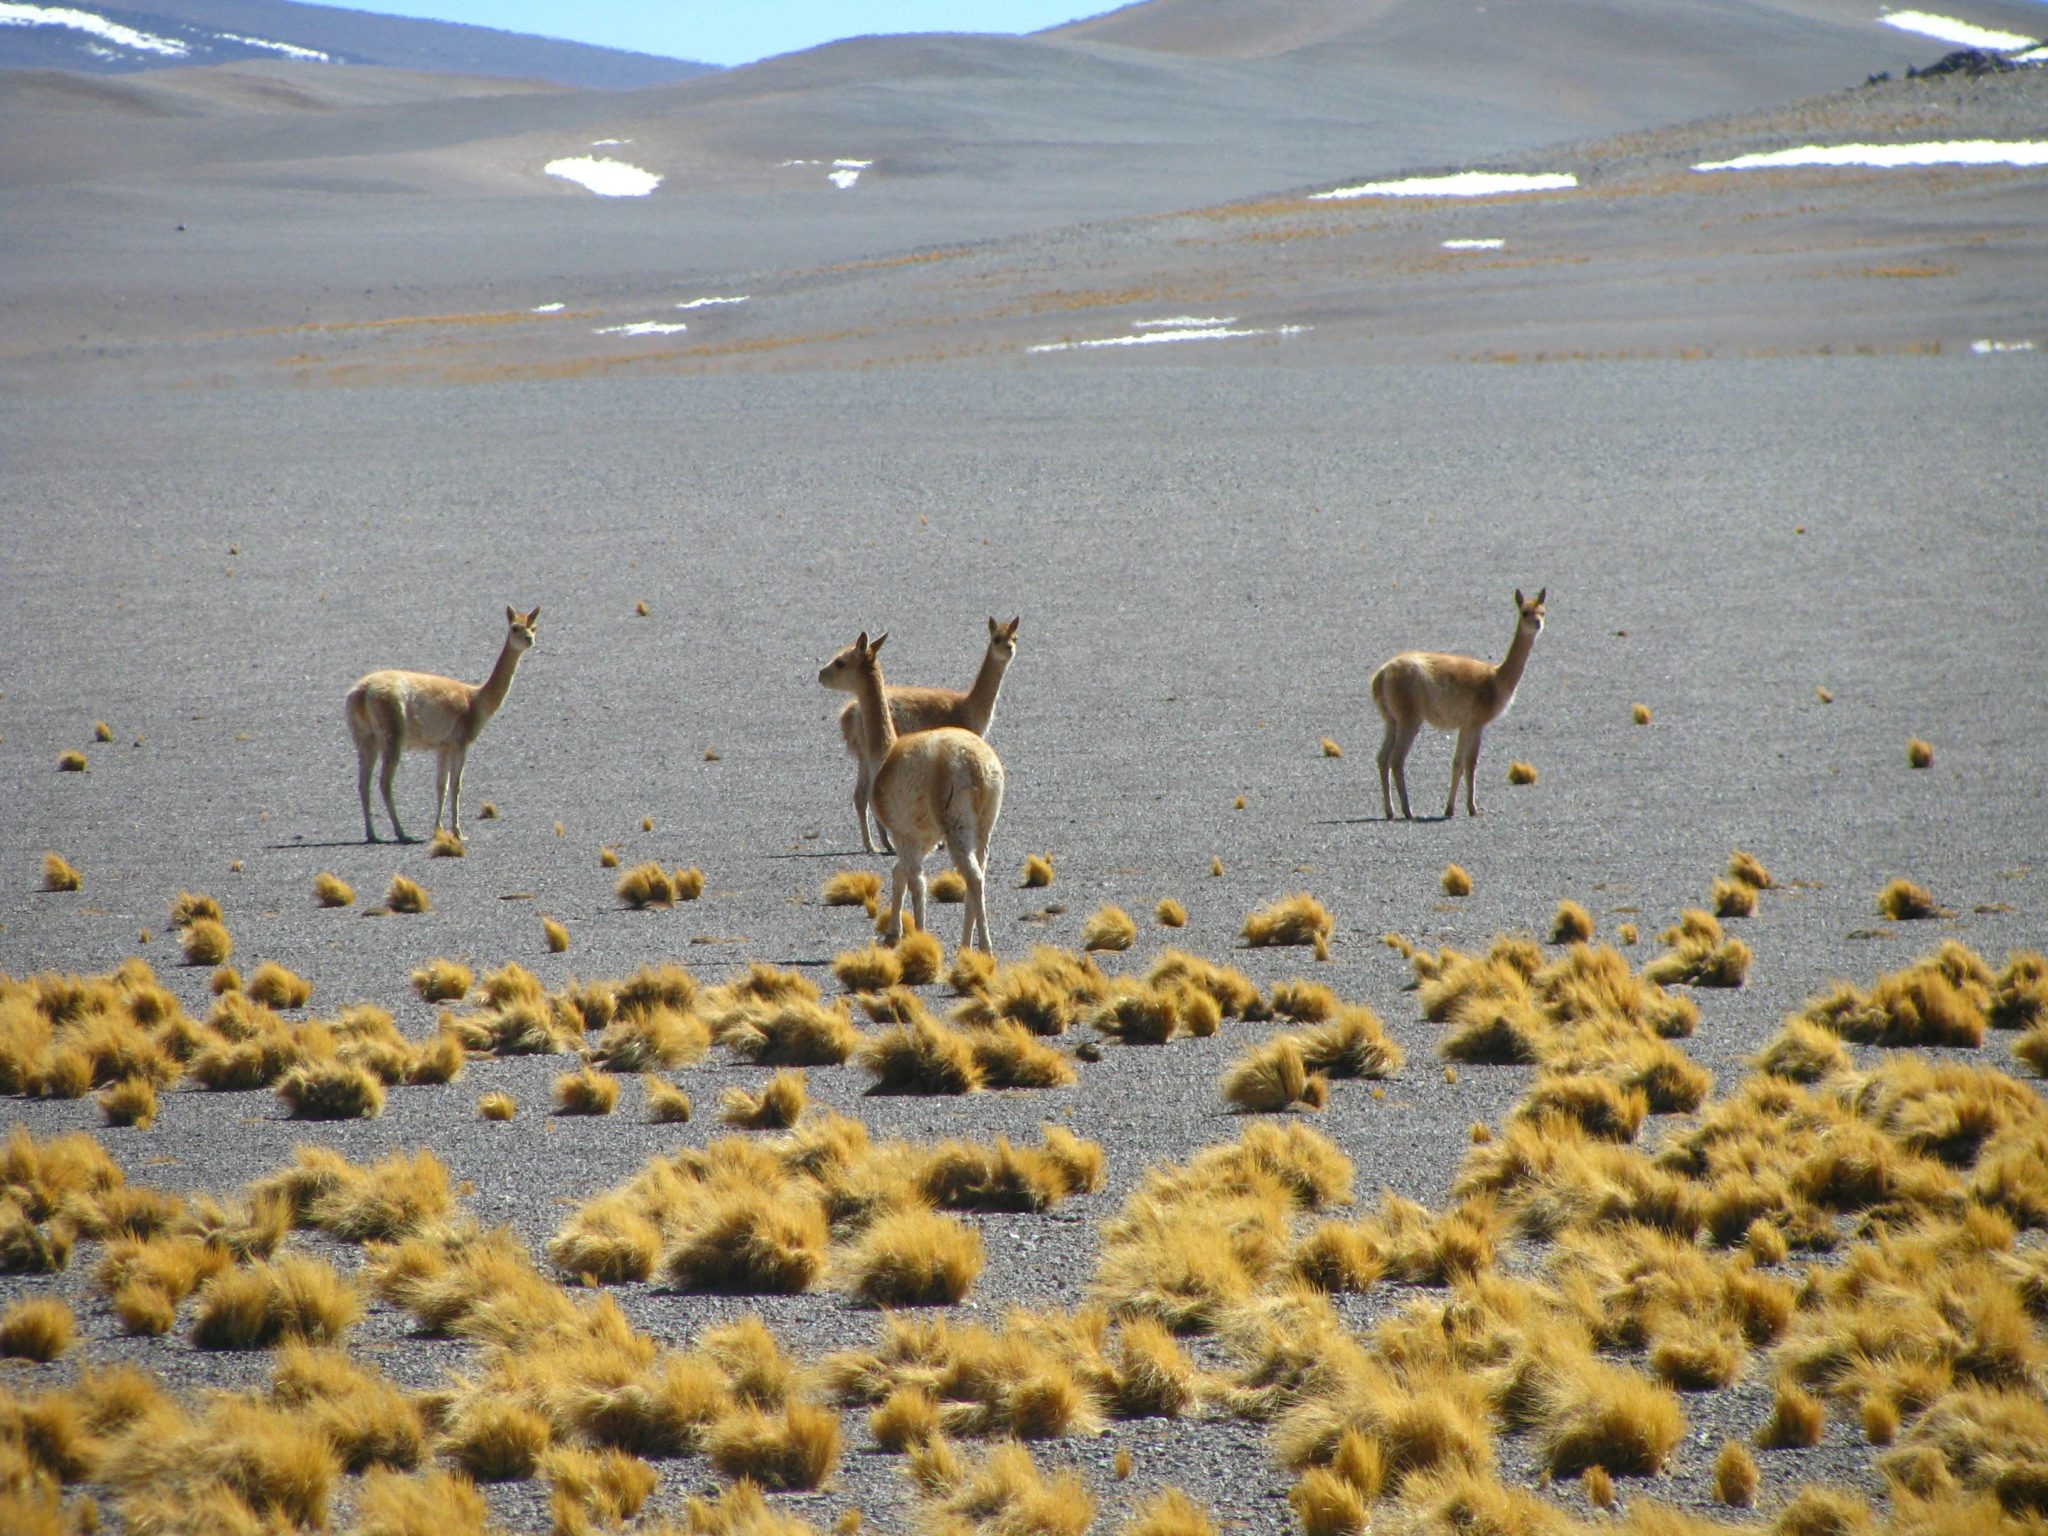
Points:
x=165, y=34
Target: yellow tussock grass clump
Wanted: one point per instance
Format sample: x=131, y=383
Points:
x=1455, y=881
x=495, y=1441
x=1628, y=934
x=555, y=935
x=961, y=1175
x=433, y=1504
x=796, y=1447
x=921, y=958
x=71, y=762
x=38, y=1328
x=907, y=1416
x=1736, y=1477
x=666, y=1103
x=792, y=1033
x=645, y=1035
x=646, y=823
x=1170, y=913
x=1170, y=1512
x=1007, y=1055
x=1215, y=868
x=853, y=888
x=1108, y=927
x=1903, y=901
x=130, y=1102
x=1641, y=714
x=245, y=1465
x=646, y=885
x=689, y=884
x=595, y=1490
x=224, y=981
x=1733, y=898
x=1272, y=1077
x=912, y=1258
x=2019, y=992
x=1573, y=924
x=333, y=891
x=778, y=1106
x=608, y=858
x=1352, y=1042
x=1598, y=1485
x=586, y=1093
x=923, y=1056
x=1919, y=754
x=188, y=907
x=368, y=1421
x=497, y=1106
x=1803, y=1052
x=1307, y=1001
x=405, y=895
x=1331, y=749
x=206, y=942
x=446, y=845
x=59, y=874
x=1521, y=773
x=488, y=811
x=1003, y=1491
x=2032, y=1048
x=101, y=731
x=1749, y=869
x=1299, y=919
x=948, y=886
x=256, y=1307
x=331, y=1090
x=1797, y=1417
x=742, y=1510
x=1941, y=1000
x=275, y=987
x=1697, y=954
x=1037, y=870
x=873, y=969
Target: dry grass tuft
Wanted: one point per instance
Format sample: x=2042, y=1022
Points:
x=1331, y=749
x=434, y=1504
x=333, y=891
x=1109, y=927
x=595, y=1490
x=666, y=1103
x=1170, y=913
x=556, y=935
x=71, y=762
x=873, y=969
x=59, y=874
x=206, y=942
x=778, y=1106
x=647, y=885
x=38, y=1328
x=405, y=895
x=1272, y=1077
x=607, y=858
x=331, y=1090
x=1698, y=955
x=188, y=907
x=1455, y=881
x=1573, y=924
x=1734, y=898
x=689, y=883
x=275, y=987
x=1009, y=1056
x=912, y=1258
x=921, y=957
x=1170, y=1512
x=255, y=1307
x=1804, y=1052
x=1299, y=919
x=495, y=1440
x=1797, y=1417
x=1903, y=901
x=1736, y=1478
x=586, y=1093
x=795, y=1448
x=2019, y=992
x=446, y=845
x=130, y=1102
x=1641, y=713
x=854, y=888
x=1748, y=869
x=497, y=1106
x=1037, y=870
x=1521, y=773
x=923, y=1056
x=1004, y=1491
x=797, y=1032
x=949, y=887
x=1919, y=754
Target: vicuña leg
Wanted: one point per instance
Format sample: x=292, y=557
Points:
x=366, y=759
x=1464, y=760
x=1400, y=737
x=457, y=757
x=386, y=771
x=970, y=867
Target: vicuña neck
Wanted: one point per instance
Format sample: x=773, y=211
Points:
x=988, y=682
x=498, y=684
x=1508, y=675
x=880, y=729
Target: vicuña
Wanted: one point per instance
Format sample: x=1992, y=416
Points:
x=942, y=785
x=390, y=712
x=1452, y=693
x=922, y=709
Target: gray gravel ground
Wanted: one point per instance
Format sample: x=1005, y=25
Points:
x=1208, y=564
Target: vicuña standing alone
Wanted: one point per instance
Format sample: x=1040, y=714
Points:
x=922, y=709
x=1452, y=693
x=392, y=712
x=943, y=785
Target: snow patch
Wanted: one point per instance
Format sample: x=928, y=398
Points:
x=642, y=328
x=548, y=309
x=1154, y=338
x=2021, y=152
x=288, y=50
x=607, y=143
x=1183, y=322
x=709, y=303
x=1988, y=348
x=843, y=173
x=1474, y=245
x=1463, y=184
x=1947, y=29
x=12, y=15
x=607, y=178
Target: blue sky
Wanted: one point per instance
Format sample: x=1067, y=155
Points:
x=743, y=32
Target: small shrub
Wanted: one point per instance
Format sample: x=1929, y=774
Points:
x=1108, y=928
x=912, y=1258
x=873, y=969
x=497, y=1106
x=854, y=888
x=1641, y=712
x=495, y=1440
x=1331, y=749
x=586, y=1093
x=921, y=1057
x=130, y=1102
x=948, y=887
x=1903, y=901
x=331, y=1090
x=488, y=811
x=1521, y=773
x=777, y=1107
x=796, y=1448
x=1919, y=754
x=908, y=1416
x=607, y=858
x=1736, y=1478
x=206, y=942
x=689, y=883
x=260, y=1305
x=190, y=906
x=37, y=1329
x=666, y=1103
x=435, y=1504
x=446, y=845
x=71, y=762
x=405, y=895
x=1272, y=1077
x=1797, y=1418
x=647, y=885
x=1748, y=869
x=333, y=891
x=1299, y=919
x=59, y=874
x=275, y=987
x=101, y=731
x=1573, y=924
x=1037, y=870
x=1170, y=913
x=920, y=958
x=1628, y=934
x=442, y=981
x=1455, y=881
x=1734, y=898
x=556, y=935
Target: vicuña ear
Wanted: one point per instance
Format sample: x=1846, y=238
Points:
x=533, y=618
x=860, y=642
x=993, y=627
x=1541, y=593
x=1010, y=629
x=880, y=640
x=1519, y=602
x=511, y=614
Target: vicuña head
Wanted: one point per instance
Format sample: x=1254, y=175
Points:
x=922, y=709
x=1452, y=693
x=938, y=785
x=392, y=712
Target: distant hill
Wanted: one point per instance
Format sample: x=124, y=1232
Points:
x=159, y=34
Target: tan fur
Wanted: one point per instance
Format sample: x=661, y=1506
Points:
x=1452, y=693
x=392, y=712
x=924, y=709
x=942, y=785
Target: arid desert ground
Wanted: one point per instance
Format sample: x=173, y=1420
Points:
x=306, y=372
